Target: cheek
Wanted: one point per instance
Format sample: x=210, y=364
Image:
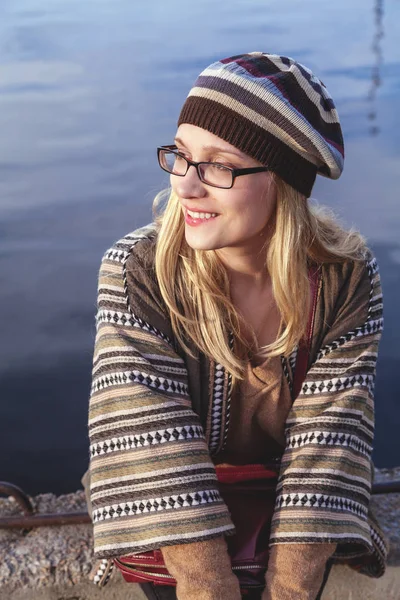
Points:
x=254, y=217
x=255, y=206
x=265, y=203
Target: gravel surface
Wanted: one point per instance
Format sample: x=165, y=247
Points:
x=386, y=508
x=46, y=555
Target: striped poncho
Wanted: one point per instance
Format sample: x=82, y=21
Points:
x=158, y=417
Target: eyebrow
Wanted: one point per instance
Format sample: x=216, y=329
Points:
x=211, y=147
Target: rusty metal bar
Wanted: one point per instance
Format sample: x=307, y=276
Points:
x=9, y=489
x=386, y=487
x=79, y=518
x=49, y=520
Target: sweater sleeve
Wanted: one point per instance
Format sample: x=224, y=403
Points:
x=324, y=486
x=152, y=482
x=202, y=570
x=296, y=571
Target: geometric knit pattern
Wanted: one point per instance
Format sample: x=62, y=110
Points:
x=324, y=485
x=320, y=500
x=155, y=504
x=224, y=435
x=328, y=438
x=339, y=383
x=219, y=406
x=149, y=456
x=154, y=437
x=103, y=573
x=290, y=372
x=157, y=383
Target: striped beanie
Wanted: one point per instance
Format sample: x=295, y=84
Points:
x=273, y=109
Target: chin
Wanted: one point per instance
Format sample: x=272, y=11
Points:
x=197, y=243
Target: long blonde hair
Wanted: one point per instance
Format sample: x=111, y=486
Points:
x=195, y=285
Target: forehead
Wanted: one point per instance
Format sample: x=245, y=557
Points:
x=196, y=139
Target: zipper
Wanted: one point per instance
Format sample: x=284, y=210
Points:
x=149, y=573
x=131, y=566
x=136, y=570
x=248, y=567
x=141, y=556
x=235, y=568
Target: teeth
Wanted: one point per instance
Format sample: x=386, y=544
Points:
x=202, y=215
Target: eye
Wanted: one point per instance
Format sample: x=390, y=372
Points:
x=219, y=167
x=224, y=162
x=182, y=153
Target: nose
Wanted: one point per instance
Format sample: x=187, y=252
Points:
x=189, y=186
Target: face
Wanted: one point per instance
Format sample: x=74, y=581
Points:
x=242, y=213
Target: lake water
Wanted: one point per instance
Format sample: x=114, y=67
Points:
x=88, y=89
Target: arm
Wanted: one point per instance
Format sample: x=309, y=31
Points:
x=202, y=571
x=324, y=486
x=296, y=571
x=152, y=481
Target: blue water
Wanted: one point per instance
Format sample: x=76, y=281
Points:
x=88, y=89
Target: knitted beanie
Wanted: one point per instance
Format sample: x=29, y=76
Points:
x=273, y=109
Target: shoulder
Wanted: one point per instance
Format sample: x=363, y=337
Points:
x=131, y=253
x=135, y=248
x=128, y=271
x=132, y=257
x=350, y=281
x=350, y=273
x=350, y=300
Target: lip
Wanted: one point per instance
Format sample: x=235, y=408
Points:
x=193, y=222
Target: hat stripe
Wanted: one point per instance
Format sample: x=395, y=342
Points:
x=247, y=81
x=268, y=94
x=258, y=119
x=305, y=78
x=329, y=116
x=252, y=102
x=280, y=65
x=292, y=123
x=256, y=68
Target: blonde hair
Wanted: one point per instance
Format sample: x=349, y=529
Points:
x=195, y=286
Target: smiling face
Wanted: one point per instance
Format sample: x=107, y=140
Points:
x=242, y=212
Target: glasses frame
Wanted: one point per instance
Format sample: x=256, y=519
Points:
x=190, y=163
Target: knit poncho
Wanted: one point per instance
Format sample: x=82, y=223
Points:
x=158, y=417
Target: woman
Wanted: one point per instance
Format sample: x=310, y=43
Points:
x=200, y=319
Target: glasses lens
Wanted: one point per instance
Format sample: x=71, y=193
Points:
x=216, y=174
x=173, y=163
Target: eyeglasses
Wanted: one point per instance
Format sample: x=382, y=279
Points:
x=215, y=174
